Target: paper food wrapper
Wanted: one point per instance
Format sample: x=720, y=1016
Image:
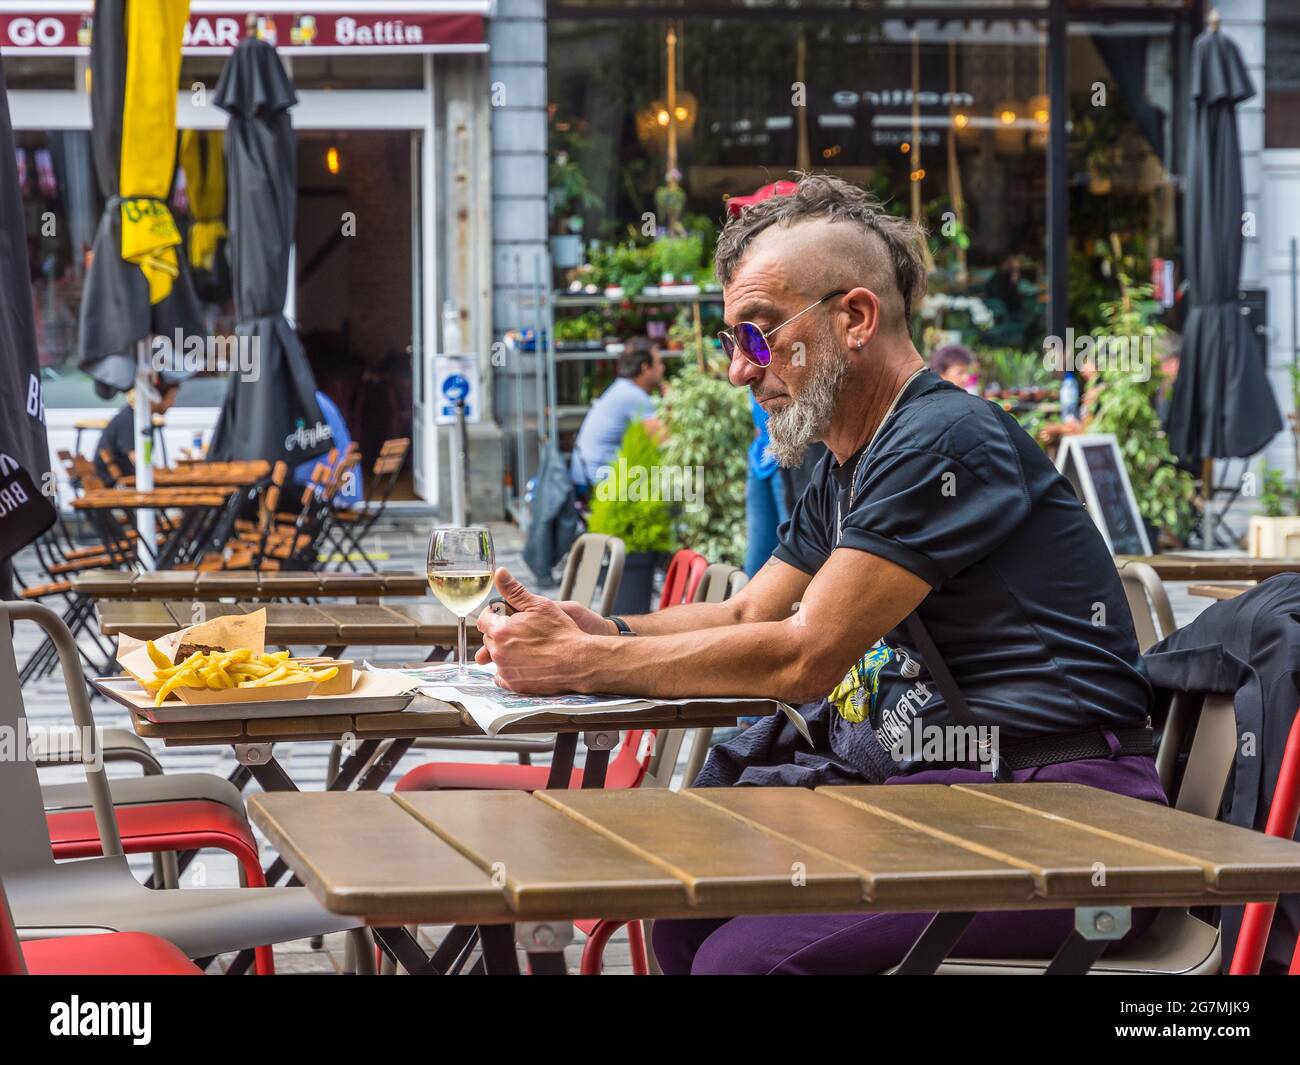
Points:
x=229, y=633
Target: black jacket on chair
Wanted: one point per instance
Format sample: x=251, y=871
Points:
x=1249, y=648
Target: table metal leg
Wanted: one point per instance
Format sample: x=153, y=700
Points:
x=598, y=745
x=404, y=949
x=352, y=765
x=566, y=747
x=934, y=944
x=268, y=773
x=1095, y=929
x=499, y=957
x=544, y=943
x=383, y=766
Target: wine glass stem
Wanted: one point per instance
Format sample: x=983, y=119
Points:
x=460, y=641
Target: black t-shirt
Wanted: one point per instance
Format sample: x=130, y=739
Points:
x=118, y=439
x=1027, y=608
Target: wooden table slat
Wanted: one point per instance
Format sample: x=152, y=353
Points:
x=307, y=624
x=291, y=585
x=1065, y=859
x=361, y=623
x=1219, y=591
x=897, y=864
x=683, y=836
x=435, y=623
x=431, y=717
x=1174, y=567
x=142, y=619
x=164, y=584
x=227, y=582
x=1232, y=861
x=194, y=612
x=555, y=864
x=408, y=872
x=406, y=584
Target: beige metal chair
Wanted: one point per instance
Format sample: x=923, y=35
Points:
x=1153, y=617
x=593, y=556
x=719, y=583
x=1176, y=944
x=51, y=898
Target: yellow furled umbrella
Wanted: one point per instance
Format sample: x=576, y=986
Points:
x=205, y=178
x=154, y=31
x=138, y=286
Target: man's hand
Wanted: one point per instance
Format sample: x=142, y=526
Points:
x=588, y=620
x=535, y=649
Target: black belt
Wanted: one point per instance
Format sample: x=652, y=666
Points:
x=1066, y=747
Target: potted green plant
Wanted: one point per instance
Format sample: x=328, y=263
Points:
x=678, y=259
x=1276, y=532
x=630, y=504
x=569, y=196
x=1126, y=406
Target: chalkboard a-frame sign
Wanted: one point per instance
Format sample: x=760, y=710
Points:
x=1093, y=465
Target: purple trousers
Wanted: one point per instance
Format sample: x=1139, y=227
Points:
x=860, y=943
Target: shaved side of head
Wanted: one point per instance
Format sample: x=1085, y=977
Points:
x=817, y=255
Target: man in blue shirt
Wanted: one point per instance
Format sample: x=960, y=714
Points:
x=349, y=493
x=640, y=375
x=765, y=508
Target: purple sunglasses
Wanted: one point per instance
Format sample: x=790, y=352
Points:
x=756, y=345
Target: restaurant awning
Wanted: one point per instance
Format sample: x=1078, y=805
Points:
x=215, y=27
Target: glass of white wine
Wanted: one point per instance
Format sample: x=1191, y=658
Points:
x=460, y=568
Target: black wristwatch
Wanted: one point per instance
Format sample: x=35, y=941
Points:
x=622, y=626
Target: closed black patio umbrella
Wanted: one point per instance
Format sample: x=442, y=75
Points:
x=1222, y=404
x=25, y=510
x=272, y=412
x=138, y=282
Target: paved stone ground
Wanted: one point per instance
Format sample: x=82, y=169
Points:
x=399, y=545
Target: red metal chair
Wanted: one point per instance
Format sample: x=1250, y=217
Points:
x=1282, y=817
x=155, y=828
x=627, y=769
x=685, y=571
x=110, y=954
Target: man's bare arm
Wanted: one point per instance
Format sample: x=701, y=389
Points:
x=770, y=596
x=852, y=601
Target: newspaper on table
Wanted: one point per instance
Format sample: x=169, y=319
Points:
x=493, y=707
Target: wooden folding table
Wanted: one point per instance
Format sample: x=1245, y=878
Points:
x=508, y=861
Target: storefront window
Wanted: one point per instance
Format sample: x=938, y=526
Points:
x=40, y=72
x=61, y=207
x=945, y=122
x=1282, y=75
x=357, y=71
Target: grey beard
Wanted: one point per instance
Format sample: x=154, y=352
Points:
x=791, y=430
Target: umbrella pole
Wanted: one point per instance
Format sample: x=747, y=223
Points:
x=144, y=518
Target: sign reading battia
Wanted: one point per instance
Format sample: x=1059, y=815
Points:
x=362, y=30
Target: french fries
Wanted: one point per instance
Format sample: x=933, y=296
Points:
x=218, y=670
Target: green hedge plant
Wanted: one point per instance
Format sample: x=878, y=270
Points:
x=709, y=428
x=621, y=504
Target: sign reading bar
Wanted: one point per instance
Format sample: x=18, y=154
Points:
x=332, y=32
